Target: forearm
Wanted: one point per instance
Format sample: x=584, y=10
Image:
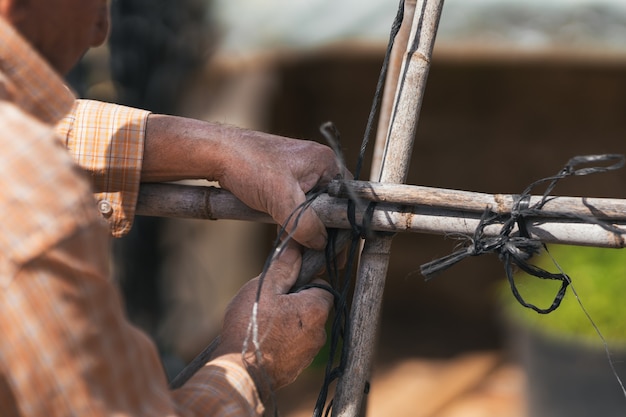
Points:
x=178, y=148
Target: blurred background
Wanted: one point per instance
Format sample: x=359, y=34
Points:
x=515, y=89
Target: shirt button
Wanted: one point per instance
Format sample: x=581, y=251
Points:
x=105, y=207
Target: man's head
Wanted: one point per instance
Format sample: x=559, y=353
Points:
x=61, y=30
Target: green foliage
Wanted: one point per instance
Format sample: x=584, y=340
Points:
x=598, y=277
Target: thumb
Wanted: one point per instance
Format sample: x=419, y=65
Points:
x=284, y=268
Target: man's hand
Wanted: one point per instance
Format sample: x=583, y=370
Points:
x=290, y=326
x=272, y=174
x=267, y=172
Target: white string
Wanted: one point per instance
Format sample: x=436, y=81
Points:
x=593, y=324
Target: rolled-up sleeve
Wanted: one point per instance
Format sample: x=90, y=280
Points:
x=107, y=140
x=220, y=389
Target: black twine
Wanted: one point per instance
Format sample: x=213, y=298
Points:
x=515, y=249
x=341, y=285
x=340, y=325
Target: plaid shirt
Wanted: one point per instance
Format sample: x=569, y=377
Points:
x=66, y=348
x=107, y=141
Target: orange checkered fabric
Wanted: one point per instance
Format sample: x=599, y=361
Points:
x=112, y=155
x=66, y=348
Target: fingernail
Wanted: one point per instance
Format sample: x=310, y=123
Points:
x=290, y=255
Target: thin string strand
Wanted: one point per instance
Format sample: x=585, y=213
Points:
x=605, y=343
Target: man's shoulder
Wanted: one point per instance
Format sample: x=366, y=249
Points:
x=15, y=120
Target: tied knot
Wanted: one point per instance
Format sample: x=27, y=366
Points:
x=362, y=230
x=515, y=246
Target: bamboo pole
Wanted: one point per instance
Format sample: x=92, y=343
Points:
x=211, y=203
x=391, y=84
x=555, y=206
x=428, y=210
x=374, y=261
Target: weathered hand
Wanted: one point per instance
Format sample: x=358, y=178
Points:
x=290, y=326
x=267, y=172
x=272, y=174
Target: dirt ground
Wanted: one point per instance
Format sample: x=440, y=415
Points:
x=474, y=384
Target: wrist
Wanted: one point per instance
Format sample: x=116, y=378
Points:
x=255, y=372
x=230, y=382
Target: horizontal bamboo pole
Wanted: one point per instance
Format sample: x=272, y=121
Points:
x=194, y=202
x=447, y=217
x=601, y=208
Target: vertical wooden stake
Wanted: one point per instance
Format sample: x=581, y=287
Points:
x=374, y=260
x=391, y=84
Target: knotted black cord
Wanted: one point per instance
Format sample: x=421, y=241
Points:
x=340, y=326
x=516, y=250
x=340, y=322
x=332, y=268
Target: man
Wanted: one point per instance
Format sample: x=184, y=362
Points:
x=66, y=347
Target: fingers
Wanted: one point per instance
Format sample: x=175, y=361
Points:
x=317, y=169
x=304, y=224
x=283, y=273
x=319, y=299
x=310, y=230
x=291, y=324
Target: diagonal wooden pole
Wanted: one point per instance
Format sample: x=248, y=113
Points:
x=396, y=61
x=367, y=300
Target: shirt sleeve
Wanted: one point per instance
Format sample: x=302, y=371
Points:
x=107, y=140
x=67, y=348
x=220, y=389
